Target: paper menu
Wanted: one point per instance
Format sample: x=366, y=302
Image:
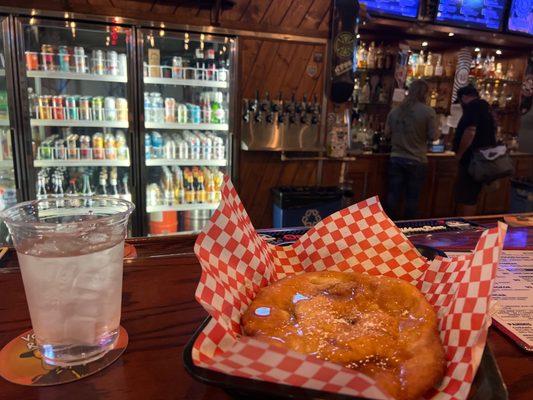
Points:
x=513, y=294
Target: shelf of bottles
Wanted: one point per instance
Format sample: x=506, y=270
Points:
x=186, y=81
x=78, y=108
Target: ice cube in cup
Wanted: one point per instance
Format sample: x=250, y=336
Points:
x=70, y=256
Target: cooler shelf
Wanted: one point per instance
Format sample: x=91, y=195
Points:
x=185, y=82
x=175, y=125
x=79, y=123
x=80, y=163
x=186, y=163
x=182, y=207
x=76, y=76
x=4, y=122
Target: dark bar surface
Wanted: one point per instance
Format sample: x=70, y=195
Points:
x=160, y=314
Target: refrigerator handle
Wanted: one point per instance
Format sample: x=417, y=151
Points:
x=12, y=133
x=133, y=168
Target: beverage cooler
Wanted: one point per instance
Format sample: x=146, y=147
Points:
x=184, y=126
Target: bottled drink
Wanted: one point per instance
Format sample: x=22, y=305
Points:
x=433, y=99
x=421, y=66
x=179, y=189
x=205, y=104
x=210, y=64
x=371, y=57
x=113, y=191
x=72, y=147
x=126, y=195
x=157, y=145
x=64, y=58
x=361, y=56
x=177, y=67
x=98, y=146
x=32, y=60
x=110, y=109
x=218, y=115
x=199, y=59
x=102, y=183
x=121, y=105
x=122, y=64
x=380, y=57
x=210, y=188
x=85, y=108
x=201, y=196
x=121, y=146
x=85, y=147
x=110, y=147
x=86, y=189
x=147, y=146
x=428, y=69
x=438, y=67
x=41, y=187
x=98, y=62
x=148, y=113
x=170, y=109
x=79, y=60
x=98, y=108
x=168, y=186
x=189, y=187
x=47, y=58
x=72, y=190
x=169, y=148
x=112, y=62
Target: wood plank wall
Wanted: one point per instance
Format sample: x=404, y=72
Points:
x=302, y=17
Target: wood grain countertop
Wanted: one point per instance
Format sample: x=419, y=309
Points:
x=160, y=314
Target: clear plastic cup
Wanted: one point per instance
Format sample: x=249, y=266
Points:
x=70, y=252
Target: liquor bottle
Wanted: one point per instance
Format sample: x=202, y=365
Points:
x=126, y=195
x=102, y=183
x=113, y=182
x=411, y=64
x=388, y=59
x=498, y=73
x=421, y=66
x=486, y=67
x=72, y=190
x=479, y=66
x=371, y=57
x=438, y=67
x=433, y=99
x=380, y=57
x=502, y=99
x=428, y=69
x=86, y=189
x=365, y=93
x=495, y=95
x=492, y=68
x=361, y=56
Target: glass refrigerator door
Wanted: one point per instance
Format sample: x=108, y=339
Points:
x=77, y=107
x=8, y=186
x=186, y=90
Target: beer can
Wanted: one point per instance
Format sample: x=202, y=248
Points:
x=46, y=150
x=45, y=111
x=170, y=109
x=58, y=111
x=98, y=108
x=79, y=60
x=71, y=108
x=122, y=64
x=98, y=146
x=64, y=58
x=72, y=147
x=182, y=113
x=110, y=148
x=47, y=58
x=98, y=62
x=59, y=150
x=112, y=62
x=177, y=67
x=195, y=113
x=85, y=108
x=32, y=60
x=121, y=105
x=85, y=147
x=110, y=109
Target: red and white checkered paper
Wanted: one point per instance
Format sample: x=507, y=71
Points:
x=236, y=263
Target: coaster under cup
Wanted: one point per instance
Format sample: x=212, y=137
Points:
x=21, y=362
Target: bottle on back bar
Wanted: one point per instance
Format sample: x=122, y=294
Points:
x=438, y=67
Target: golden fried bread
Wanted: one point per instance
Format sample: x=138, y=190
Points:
x=382, y=327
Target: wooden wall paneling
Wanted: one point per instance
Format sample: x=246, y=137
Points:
x=236, y=12
x=254, y=12
x=296, y=13
x=275, y=13
x=317, y=13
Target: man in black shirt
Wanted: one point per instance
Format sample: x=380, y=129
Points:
x=476, y=129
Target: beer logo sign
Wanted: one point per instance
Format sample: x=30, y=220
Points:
x=344, y=44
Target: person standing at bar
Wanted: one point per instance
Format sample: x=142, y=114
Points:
x=476, y=129
x=410, y=126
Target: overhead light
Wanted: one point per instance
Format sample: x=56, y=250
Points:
x=450, y=34
x=477, y=49
x=425, y=44
x=162, y=32
x=499, y=52
x=358, y=36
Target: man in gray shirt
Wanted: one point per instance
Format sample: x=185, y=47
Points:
x=410, y=126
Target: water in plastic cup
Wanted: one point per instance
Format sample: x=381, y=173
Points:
x=70, y=253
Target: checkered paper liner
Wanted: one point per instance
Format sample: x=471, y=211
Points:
x=237, y=263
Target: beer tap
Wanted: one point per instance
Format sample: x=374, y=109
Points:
x=315, y=113
x=303, y=110
x=291, y=109
x=256, y=109
x=246, y=110
x=266, y=107
x=277, y=107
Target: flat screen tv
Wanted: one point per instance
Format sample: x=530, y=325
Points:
x=407, y=9
x=521, y=16
x=480, y=14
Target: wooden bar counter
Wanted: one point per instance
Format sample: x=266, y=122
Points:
x=160, y=314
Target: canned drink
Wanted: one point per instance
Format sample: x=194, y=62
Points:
x=98, y=146
x=64, y=59
x=112, y=62
x=47, y=58
x=169, y=151
x=182, y=113
x=85, y=108
x=98, y=108
x=157, y=145
x=58, y=111
x=46, y=150
x=183, y=150
x=110, y=109
x=177, y=67
x=71, y=108
x=98, y=62
x=32, y=60
x=79, y=60
x=147, y=146
x=195, y=113
x=85, y=147
x=122, y=64
x=121, y=105
x=170, y=109
x=72, y=147
x=45, y=111
x=59, y=150
x=110, y=147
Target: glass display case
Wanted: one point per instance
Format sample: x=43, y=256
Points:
x=76, y=99
x=185, y=127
